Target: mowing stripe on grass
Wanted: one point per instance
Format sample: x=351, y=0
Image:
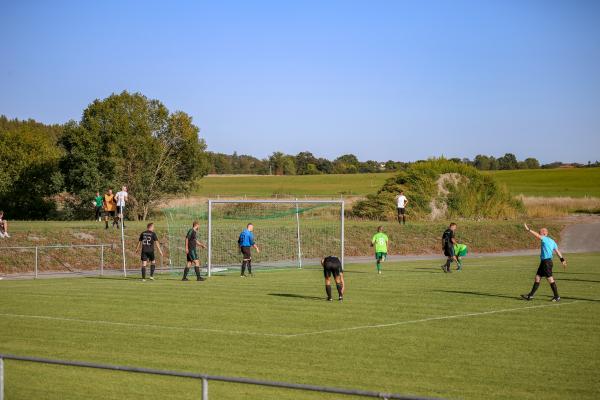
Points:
x=416, y=321
x=285, y=335
x=134, y=325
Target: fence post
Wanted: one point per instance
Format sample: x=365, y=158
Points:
x=342, y=233
x=298, y=235
x=204, y=389
x=36, y=262
x=101, y=259
x=1, y=378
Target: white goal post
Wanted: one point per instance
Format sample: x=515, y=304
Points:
x=289, y=222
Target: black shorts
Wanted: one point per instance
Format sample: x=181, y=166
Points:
x=401, y=211
x=332, y=267
x=192, y=255
x=247, y=252
x=148, y=256
x=545, y=268
x=109, y=213
x=449, y=251
x=120, y=209
x=328, y=271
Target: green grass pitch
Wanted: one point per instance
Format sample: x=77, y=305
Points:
x=412, y=330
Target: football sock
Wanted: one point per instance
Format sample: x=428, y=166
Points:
x=243, y=267
x=339, y=289
x=152, y=268
x=143, y=272
x=378, y=266
x=197, y=271
x=250, y=267
x=554, y=289
x=328, y=290
x=535, y=287
x=448, y=262
x=185, y=272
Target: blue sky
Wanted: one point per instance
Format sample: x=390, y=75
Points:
x=399, y=80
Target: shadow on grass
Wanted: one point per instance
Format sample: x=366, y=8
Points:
x=576, y=280
x=425, y=272
x=504, y=296
x=577, y=273
x=509, y=297
x=297, y=296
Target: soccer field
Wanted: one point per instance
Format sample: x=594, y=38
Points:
x=412, y=330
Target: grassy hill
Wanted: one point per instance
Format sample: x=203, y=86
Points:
x=576, y=182
x=572, y=182
x=267, y=185
x=415, y=238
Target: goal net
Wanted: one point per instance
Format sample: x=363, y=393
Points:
x=289, y=233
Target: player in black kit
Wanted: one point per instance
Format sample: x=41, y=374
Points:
x=448, y=242
x=333, y=266
x=147, y=239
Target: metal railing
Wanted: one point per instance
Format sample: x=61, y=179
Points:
x=204, y=378
x=61, y=246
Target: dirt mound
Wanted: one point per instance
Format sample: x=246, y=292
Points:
x=438, y=204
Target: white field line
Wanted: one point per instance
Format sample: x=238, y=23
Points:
x=284, y=335
x=417, y=321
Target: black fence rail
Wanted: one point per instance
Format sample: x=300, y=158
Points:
x=204, y=378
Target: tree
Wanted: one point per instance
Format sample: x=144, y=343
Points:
x=369, y=166
x=132, y=140
x=276, y=162
x=289, y=165
x=508, y=161
x=324, y=166
x=29, y=173
x=482, y=162
x=346, y=164
x=303, y=160
x=532, y=163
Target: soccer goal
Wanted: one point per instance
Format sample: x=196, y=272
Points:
x=289, y=233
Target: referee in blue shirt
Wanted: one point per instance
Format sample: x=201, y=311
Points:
x=549, y=247
x=246, y=243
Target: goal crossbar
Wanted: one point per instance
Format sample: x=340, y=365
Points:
x=296, y=202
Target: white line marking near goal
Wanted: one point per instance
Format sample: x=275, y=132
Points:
x=282, y=335
x=416, y=321
x=134, y=325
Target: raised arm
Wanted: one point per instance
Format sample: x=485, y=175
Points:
x=534, y=233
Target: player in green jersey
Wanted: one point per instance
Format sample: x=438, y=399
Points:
x=460, y=250
x=380, y=242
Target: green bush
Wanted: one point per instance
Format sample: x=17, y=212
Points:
x=466, y=193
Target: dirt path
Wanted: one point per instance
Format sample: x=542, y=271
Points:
x=582, y=236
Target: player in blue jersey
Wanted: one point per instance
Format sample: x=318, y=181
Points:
x=246, y=243
x=548, y=248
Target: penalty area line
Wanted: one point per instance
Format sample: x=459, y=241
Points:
x=417, y=321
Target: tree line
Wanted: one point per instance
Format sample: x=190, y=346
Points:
x=305, y=163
